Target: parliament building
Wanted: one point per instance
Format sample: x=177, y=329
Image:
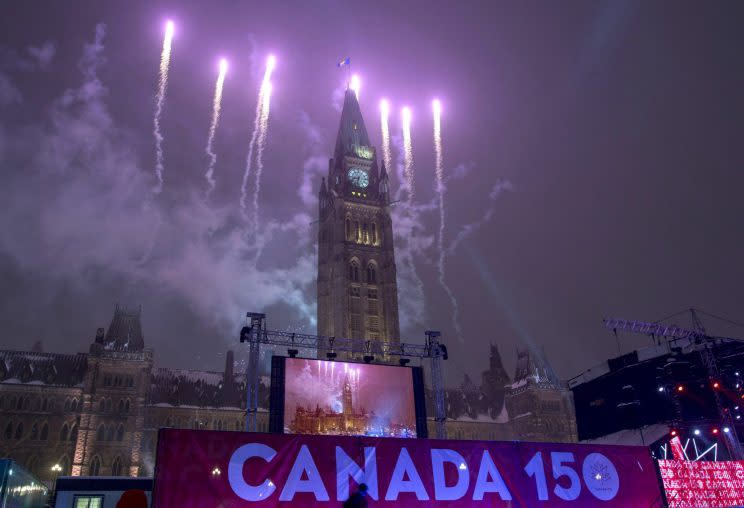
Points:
x=98, y=413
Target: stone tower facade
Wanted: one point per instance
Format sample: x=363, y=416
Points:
x=357, y=289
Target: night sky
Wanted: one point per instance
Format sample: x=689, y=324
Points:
x=593, y=160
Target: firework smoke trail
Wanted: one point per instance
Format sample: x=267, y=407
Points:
x=384, y=115
x=216, y=107
x=270, y=63
x=159, y=101
x=407, y=151
x=439, y=171
x=263, y=129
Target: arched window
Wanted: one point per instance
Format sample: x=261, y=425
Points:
x=354, y=271
x=102, y=405
x=348, y=228
x=34, y=431
x=19, y=431
x=19, y=405
x=26, y=403
x=74, y=405
x=108, y=404
x=67, y=404
x=9, y=430
x=63, y=433
x=110, y=433
x=126, y=406
x=120, y=433
x=44, y=405
x=357, y=232
x=101, y=433
x=44, y=432
x=64, y=463
x=73, y=433
x=95, y=466
x=116, y=467
x=374, y=233
x=365, y=233
x=371, y=274
x=121, y=405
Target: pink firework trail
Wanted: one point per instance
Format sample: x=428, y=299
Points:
x=165, y=57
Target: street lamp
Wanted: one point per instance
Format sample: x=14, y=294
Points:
x=57, y=468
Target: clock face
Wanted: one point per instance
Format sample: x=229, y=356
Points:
x=364, y=152
x=358, y=177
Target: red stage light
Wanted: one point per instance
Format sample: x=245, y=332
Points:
x=673, y=433
x=716, y=385
x=715, y=431
x=680, y=388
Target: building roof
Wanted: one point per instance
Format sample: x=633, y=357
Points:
x=351, y=131
x=23, y=367
x=534, y=368
x=196, y=388
x=125, y=331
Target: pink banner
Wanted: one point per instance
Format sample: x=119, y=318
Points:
x=703, y=484
x=231, y=469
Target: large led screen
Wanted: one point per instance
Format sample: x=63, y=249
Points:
x=351, y=399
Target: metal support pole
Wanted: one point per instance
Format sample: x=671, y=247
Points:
x=731, y=438
x=257, y=323
x=437, y=383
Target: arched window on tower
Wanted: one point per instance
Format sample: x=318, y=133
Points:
x=357, y=232
x=95, y=466
x=348, y=229
x=64, y=432
x=116, y=467
x=110, y=433
x=371, y=274
x=19, y=431
x=374, y=233
x=354, y=271
x=9, y=430
x=34, y=431
x=44, y=432
x=120, y=433
x=365, y=233
x=101, y=433
x=126, y=406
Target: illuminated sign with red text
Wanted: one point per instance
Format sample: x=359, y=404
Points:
x=703, y=484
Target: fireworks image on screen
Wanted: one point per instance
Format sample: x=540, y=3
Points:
x=353, y=399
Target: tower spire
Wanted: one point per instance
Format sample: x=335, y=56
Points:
x=351, y=131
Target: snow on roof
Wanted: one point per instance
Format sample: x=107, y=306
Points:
x=42, y=368
x=643, y=436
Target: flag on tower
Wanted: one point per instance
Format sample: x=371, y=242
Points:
x=345, y=61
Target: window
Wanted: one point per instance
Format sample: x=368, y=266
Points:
x=74, y=405
x=120, y=433
x=354, y=291
x=101, y=434
x=19, y=405
x=63, y=433
x=371, y=274
x=110, y=433
x=374, y=234
x=354, y=271
x=365, y=233
x=357, y=232
x=88, y=502
x=102, y=406
x=348, y=229
x=372, y=294
x=44, y=432
x=108, y=404
x=356, y=322
x=44, y=405
x=126, y=406
x=19, y=431
x=9, y=430
x=34, y=431
x=67, y=404
x=372, y=307
x=121, y=405
x=95, y=466
x=107, y=380
x=116, y=467
x=73, y=433
x=373, y=323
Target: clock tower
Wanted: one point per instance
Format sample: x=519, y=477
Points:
x=357, y=289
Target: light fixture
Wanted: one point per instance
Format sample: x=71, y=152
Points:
x=680, y=388
x=715, y=431
x=661, y=388
x=716, y=385
x=56, y=468
x=216, y=471
x=697, y=432
x=673, y=432
x=726, y=430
